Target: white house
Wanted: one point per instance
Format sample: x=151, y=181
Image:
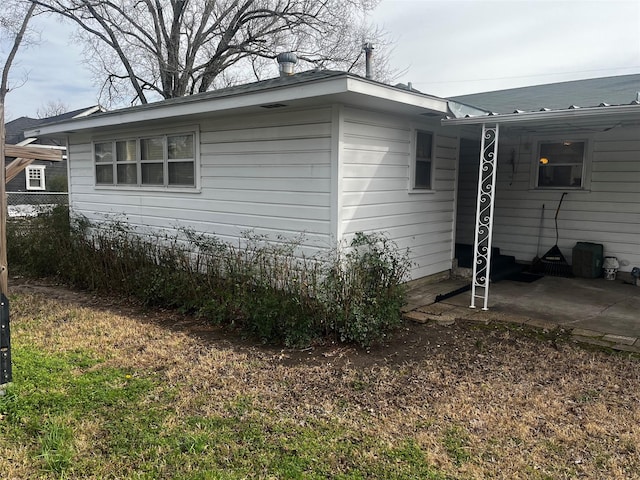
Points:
x=330, y=154
x=321, y=152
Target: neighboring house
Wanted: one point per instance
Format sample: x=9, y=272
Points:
x=330, y=154
x=40, y=176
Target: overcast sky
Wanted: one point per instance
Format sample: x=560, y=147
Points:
x=444, y=47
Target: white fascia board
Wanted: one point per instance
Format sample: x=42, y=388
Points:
x=397, y=95
x=547, y=115
x=320, y=88
x=161, y=110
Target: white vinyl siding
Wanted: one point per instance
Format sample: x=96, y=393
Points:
x=325, y=172
x=608, y=213
x=377, y=193
x=268, y=172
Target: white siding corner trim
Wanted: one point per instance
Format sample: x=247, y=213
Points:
x=337, y=145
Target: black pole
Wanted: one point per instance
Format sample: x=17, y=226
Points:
x=5, y=343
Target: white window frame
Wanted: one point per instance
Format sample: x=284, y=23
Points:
x=413, y=161
x=164, y=134
x=586, y=162
x=27, y=174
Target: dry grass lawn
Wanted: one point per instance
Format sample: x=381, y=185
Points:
x=157, y=395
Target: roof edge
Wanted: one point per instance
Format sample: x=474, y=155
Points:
x=526, y=117
x=334, y=83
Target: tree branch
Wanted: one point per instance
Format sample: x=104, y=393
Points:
x=4, y=83
x=178, y=47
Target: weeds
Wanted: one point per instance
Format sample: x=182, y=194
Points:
x=455, y=443
x=266, y=287
x=56, y=446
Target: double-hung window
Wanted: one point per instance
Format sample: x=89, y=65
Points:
x=561, y=164
x=35, y=177
x=158, y=160
x=103, y=156
x=152, y=160
x=422, y=175
x=126, y=167
x=180, y=154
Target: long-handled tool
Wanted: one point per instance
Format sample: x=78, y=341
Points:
x=553, y=261
x=536, y=263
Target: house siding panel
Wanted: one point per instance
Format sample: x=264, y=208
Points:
x=268, y=172
x=607, y=213
x=376, y=153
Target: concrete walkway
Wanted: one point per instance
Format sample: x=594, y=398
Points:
x=593, y=311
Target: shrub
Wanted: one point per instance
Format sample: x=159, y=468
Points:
x=363, y=289
x=39, y=245
x=58, y=183
x=265, y=287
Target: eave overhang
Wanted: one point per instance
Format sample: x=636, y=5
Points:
x=345, y=88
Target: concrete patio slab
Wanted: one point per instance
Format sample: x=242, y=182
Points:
x=611, y=307
x=596, y=311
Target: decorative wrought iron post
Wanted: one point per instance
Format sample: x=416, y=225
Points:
x=484, y=216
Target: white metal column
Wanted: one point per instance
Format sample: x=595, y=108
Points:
x=484, y=216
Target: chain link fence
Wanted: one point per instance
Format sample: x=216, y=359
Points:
x=30, y=204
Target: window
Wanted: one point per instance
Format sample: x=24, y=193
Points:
x=180, y=149
x=159, y=160
x=423, y=162
x=126, y=168
x=561, y=164
x=35, y=177
x=103, y=154
x=152, y=153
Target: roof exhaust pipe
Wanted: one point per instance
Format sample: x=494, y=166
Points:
x=368, y=52
x=286, y=62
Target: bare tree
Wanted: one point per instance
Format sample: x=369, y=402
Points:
x=52, y=108
x=148, y=49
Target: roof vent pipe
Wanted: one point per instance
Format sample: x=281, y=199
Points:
x=368, y=51
x=286, y=61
